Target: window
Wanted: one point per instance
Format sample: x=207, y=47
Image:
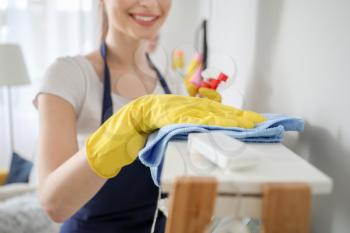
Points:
x=45, y=29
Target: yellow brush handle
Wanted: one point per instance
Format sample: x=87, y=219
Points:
x=3, y=176
x=210, y=94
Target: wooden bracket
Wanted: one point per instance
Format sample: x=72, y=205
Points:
x=286, y=208
x=192, y=205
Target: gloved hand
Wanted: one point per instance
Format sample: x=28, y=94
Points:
x=117, y=142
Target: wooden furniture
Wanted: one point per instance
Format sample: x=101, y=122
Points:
x=278, y=191
x=187, y=213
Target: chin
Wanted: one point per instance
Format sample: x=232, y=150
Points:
x=144, y=36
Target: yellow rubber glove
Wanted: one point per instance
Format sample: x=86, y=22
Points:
x=117, y=142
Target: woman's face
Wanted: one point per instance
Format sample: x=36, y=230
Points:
x=140, y=19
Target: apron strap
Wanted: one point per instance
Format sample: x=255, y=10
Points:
x=107, y=104
x=160, y=77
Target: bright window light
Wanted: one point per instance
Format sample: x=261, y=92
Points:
x=21, y=4
x=86, y=5
x=4, y=4
x=73, y=5
x=67, y=5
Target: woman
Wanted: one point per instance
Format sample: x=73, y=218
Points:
x=78, y=95
x=70, y=104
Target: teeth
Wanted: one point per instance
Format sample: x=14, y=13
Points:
x=144, y=18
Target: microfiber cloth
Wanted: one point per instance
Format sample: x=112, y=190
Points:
x=270, y=131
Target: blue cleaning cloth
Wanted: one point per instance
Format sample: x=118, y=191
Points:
x=270, y=131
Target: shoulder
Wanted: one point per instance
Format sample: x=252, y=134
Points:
x=67, y=78
x=68, y=72
x=78, y=69
x=67, y=65
x=95, y=60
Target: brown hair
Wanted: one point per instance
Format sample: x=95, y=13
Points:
x=103, y=22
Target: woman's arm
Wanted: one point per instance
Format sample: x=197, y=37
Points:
x=66, y=182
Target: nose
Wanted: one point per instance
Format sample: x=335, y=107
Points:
x=148, y=3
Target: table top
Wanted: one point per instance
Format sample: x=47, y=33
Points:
x=277, y=164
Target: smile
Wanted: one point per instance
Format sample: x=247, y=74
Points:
x=144, y=20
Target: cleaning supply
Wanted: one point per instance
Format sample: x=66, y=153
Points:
x=224, y=151
x=195, y=85
x=209, y=85
x=192, y=90
x=212, y=81
x=192, y=76
x=194, y=64
x=117, y=142
x=193, y=73
x=209, y=93
x=269, y=131
x=211, y=75
x=197, y=77
x=178, y=60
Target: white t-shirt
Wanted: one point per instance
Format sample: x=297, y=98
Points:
x=75, y=80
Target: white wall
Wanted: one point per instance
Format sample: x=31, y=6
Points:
x=178, y=33
x=297, y=61
x=232, y=26
x=181, y=22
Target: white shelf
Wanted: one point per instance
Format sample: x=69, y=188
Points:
x=277, y=164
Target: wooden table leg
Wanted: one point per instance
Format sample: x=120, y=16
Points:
x=286, y=208
x=192, y=205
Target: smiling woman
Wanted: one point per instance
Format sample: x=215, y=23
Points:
x=69, y=99
x=77, y=95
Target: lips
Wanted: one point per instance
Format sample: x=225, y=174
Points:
x=146, y=20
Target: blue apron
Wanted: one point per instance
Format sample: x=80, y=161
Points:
x=127, y=202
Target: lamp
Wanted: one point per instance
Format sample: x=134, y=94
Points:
x=13, y=72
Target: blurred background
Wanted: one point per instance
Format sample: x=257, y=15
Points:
x=292, y=57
